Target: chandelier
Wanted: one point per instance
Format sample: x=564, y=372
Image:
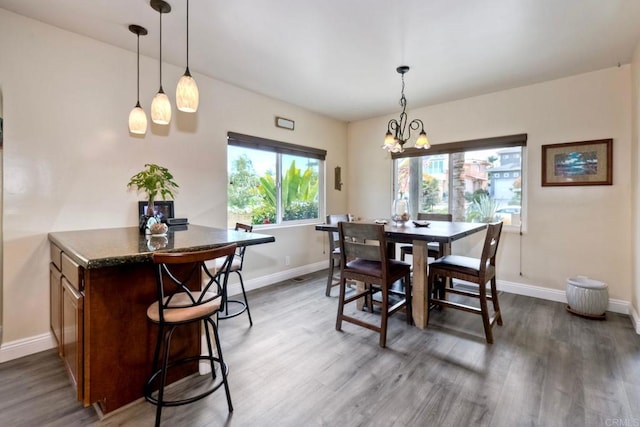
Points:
x=399, y=131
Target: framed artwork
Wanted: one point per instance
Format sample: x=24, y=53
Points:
x=578, y=163
x=163, y=209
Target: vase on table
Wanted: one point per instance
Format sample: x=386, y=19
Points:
x=400, y=211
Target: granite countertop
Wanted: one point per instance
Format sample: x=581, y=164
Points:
x=115, y=246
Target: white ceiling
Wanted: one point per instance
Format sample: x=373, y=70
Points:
x=338, y=57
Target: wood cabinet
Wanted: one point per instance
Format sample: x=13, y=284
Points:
x=55, y=308
x=72, y=332
x=67, y=308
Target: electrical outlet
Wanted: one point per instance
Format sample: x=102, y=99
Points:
x=287, y=260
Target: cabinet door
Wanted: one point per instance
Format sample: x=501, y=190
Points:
x=72, y=333
x=55, y=301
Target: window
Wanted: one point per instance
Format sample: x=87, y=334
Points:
x=272, y=182
x=479, y=181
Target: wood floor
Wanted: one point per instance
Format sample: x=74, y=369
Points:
x=292, y=368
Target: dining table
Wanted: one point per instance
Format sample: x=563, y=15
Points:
x=419, y=234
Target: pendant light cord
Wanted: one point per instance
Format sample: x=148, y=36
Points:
x=138, y=80
x=161, y=50
x=187, y=34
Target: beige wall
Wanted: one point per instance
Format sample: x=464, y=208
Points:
x=573, y=230
x=68, y=155
x=635, y=178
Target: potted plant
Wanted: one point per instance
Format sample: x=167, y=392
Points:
x=154, y=180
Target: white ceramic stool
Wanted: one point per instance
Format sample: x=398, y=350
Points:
x=587, y=297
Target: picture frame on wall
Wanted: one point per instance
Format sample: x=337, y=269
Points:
x=578, y=163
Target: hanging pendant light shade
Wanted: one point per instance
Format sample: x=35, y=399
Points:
x=137, y=116
x=187, y=96
x=160, y=106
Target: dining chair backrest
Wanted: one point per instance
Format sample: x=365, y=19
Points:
x=428, y=216
x=364, y=241
x=490, y=248
x=333, y=236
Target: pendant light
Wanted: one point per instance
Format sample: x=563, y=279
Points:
x=160, y=106
x=187, y=96
x=137, y=116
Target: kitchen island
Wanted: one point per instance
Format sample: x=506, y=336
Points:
x=101, y=283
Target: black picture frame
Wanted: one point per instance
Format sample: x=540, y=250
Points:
x=162, y=209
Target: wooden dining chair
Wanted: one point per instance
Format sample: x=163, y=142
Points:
x=334, y=252
x=476, y=270
x=433, y=248
x=363, y=253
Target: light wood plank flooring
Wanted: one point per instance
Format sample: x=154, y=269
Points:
x=292, y=368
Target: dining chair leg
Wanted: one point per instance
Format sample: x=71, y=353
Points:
x=484, y=311
x=332, y=265
x=340, y=304
x=408, y=295
x=384, y=316
x=496, y=303
x=430, y=279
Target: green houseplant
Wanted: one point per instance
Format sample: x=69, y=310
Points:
x=154, y=180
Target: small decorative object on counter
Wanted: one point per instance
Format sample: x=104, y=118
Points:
x=400, y=211
x=157, y=228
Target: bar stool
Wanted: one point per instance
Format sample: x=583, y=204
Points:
x=178, y=275
x=236, y=267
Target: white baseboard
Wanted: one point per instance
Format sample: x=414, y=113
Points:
x=19, y=348
x=615, y=305
x=259, y=282
x=635, y=319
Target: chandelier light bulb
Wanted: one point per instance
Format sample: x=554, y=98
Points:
x=423, y=141
x=389, y=141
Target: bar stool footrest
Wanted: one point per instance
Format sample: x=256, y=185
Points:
x=218, y=379
x=226, y=313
